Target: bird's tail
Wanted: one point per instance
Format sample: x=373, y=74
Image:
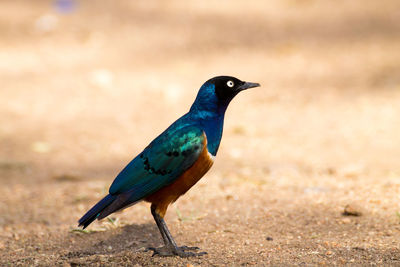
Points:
x=95, y=211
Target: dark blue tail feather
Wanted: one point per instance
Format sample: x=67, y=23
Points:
x=94, y=212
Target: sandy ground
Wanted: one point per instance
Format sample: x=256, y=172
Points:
x=82, y=93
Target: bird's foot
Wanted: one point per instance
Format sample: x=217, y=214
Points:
x=182, y=252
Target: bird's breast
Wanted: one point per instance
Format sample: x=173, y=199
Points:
x=184, y=182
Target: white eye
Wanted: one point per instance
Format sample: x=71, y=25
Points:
x=230, y=84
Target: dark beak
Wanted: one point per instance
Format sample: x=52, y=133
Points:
x=247, y=85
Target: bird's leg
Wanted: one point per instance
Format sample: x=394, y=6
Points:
x=170, y=248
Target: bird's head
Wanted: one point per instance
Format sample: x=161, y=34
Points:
x=216, y=93
x=227, y=87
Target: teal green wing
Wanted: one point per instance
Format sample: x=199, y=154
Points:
x=163, y=161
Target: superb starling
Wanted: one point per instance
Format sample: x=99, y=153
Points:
x=173, y=162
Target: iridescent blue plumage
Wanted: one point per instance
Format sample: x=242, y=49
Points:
x=172, y=154
x=209, y=113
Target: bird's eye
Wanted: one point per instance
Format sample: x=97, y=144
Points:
x=230, y=84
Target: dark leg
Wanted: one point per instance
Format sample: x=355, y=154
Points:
x=170, y=248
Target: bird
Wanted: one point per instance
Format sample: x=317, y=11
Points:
x=173, y=162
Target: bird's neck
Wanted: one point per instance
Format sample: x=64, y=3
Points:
x=212, y=123
x=209, y=112
x=207, y=105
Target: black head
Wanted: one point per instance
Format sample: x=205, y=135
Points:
x=227, y=87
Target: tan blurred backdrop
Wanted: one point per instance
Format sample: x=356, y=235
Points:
x=85, y=87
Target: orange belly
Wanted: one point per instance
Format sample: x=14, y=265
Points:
x=169, y=194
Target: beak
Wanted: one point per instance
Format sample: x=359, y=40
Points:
x=247, y=85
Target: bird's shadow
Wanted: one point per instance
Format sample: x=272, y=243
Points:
x=135, y=237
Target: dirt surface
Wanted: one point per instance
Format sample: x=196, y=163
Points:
x=82, y=92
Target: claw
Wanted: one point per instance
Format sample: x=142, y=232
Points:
x=179, y=251
x=189, y=248
x=184, y=254
x=162, y=251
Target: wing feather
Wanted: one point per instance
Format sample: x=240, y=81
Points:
x=163, y=161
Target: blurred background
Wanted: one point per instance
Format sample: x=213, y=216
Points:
x=86, y=85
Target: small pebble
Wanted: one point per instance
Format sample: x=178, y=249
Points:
x=350, y=210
